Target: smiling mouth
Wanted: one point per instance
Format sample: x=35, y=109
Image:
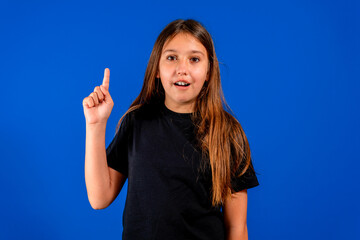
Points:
x=180, y=83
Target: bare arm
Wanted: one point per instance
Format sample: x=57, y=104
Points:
x=235, y=210
x=103, y=184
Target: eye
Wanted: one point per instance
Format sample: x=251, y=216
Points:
x=195, y=59
x=171, y=58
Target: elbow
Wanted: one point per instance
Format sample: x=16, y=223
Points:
x=97, y=207
x=237, y=233
x=98, y=204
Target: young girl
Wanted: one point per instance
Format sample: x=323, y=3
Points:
x=187, y=160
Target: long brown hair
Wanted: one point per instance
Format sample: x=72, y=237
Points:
x=220, y=135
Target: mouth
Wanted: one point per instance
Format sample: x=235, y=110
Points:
x=182, y=83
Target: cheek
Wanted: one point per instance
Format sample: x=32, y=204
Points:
x=165, y=72
x=164, y=83
x=200, y=74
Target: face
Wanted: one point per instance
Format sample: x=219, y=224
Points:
x=183, y=69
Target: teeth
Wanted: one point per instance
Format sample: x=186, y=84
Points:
x=182, y=83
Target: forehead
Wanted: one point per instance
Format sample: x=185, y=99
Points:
x=184, y=42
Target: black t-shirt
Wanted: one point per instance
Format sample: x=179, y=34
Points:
x=169, y=194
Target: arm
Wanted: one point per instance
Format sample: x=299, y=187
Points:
x=235, y=210
x=103, y=183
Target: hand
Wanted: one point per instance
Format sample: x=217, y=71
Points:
x=98, y=105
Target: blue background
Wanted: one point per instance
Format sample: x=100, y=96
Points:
x=290, y=72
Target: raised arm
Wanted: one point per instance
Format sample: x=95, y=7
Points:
x=103, y=183
x=235, y=210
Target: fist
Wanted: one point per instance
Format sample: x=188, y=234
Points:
x=98, y=105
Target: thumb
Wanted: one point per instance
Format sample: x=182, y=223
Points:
x=106, y=79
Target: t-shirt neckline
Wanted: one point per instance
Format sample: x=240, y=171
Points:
x=175, y=114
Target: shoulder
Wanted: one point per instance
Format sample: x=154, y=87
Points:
x=145, y=112
x=139, y=120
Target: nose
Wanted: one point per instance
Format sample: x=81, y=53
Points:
x=182, y=68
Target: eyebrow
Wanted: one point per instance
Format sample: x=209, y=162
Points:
x=192, y=51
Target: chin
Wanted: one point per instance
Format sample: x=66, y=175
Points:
x=184, y=101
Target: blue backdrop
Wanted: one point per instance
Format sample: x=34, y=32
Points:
x=290, y=72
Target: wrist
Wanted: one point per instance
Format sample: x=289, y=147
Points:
x=96, y=126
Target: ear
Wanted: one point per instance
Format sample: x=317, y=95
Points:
x=157, y=75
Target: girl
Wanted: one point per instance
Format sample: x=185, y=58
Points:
x=187, y=160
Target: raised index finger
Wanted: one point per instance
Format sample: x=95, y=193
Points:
x=106, y=79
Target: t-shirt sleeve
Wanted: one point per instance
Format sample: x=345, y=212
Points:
x=245, y=181
x=117, y=151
